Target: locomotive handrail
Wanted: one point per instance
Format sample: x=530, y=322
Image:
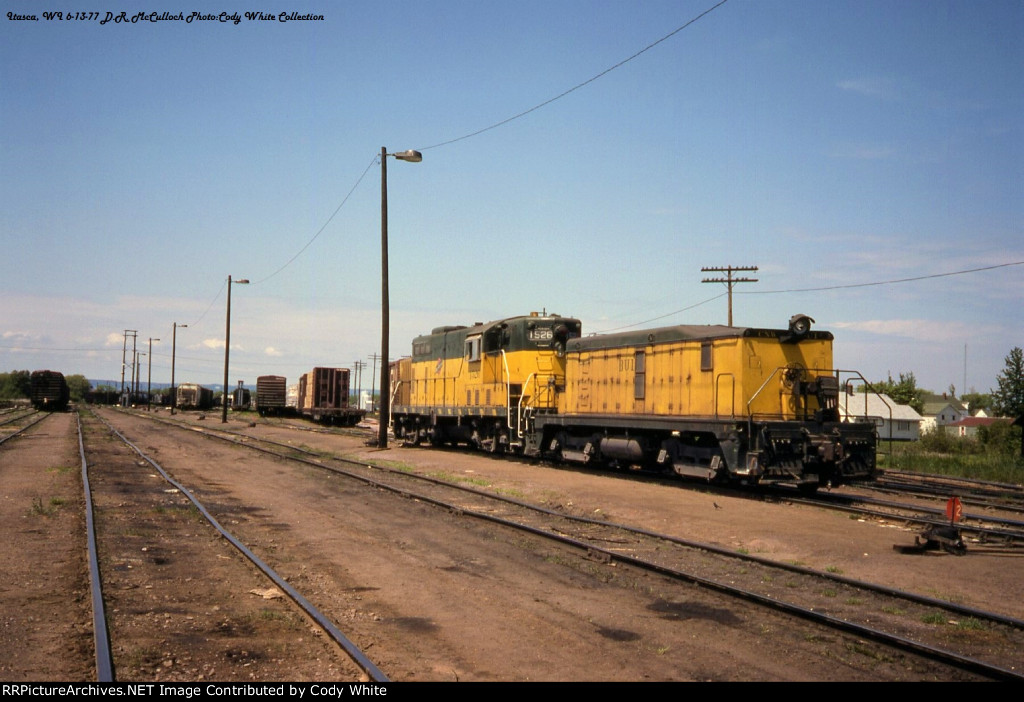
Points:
x=877, y=394
x=508, y=391
x=718, y=379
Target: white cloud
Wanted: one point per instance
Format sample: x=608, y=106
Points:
x=271, y=351
x=924, y=330
x=869, y=87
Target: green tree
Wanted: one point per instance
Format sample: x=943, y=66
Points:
x=14, y=385
x=976, y=401
x=1008, y=400
x=905, y=391
x=78, y=386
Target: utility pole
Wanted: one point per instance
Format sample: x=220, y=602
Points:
x=373, y=383
x=357, y=367
x=729, y=280
x=124, y=352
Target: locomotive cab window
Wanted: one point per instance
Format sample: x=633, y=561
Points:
x=706, y=356
x=473, y=348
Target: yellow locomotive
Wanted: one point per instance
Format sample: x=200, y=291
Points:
x=482, y=385
x=713, y=402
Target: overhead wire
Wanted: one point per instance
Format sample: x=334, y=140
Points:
x=881, y=282
x=579, y=85
x=499, y=124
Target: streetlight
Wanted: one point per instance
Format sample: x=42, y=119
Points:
x=174, y=344
x=227, y=346
x=385, y=381
x=149, y=376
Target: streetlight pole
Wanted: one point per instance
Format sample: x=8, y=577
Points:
x=174, y=344
x=385, y=383
x=227, y=346
x=137, y=381
x=149, y=376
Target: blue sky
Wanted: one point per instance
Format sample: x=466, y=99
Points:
x=830, y=144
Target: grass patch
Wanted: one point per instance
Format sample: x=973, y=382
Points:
x=971, y=624
x=829, y=593
x=834, y=570
x=997, y=459
x=934, y=618
x=453, y=478
x=48, y=508
x=510, y=492
x=895, y=611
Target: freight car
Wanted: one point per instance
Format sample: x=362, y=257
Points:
x=193, y=396
x=324, y=397
x=241, y=398
x=48, y=390
x=271, y=394
x=712, y=402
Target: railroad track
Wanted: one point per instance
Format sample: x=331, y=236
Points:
x=827, y=599
x=142, y=526
x=12, y=427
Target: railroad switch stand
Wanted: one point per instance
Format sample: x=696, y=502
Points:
x=948, y=538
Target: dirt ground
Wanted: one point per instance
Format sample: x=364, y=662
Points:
x=435, y=598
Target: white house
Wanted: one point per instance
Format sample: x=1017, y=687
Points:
x=894, y=421
x=941, y=412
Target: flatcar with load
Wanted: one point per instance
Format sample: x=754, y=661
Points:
x=48, y=391
x=324, y=397
x=718, y=403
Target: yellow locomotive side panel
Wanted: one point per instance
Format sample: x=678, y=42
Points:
x=730, y=376
x=457, y=382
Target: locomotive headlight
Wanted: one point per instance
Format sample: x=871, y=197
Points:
x=800, y=324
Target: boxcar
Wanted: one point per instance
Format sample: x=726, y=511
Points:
x=193, y=396
x=271, y=394
x=48, y=390
x=241, y=398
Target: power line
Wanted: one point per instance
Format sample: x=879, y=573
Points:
x=831, y=287
x=883, y=282
x=498, y=124
x=729, y=281
x=320, y=231
x=580, y=85
x=655, y=319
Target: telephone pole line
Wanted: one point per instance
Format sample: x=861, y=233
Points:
x=729, y=280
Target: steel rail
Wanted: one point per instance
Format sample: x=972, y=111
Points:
x=343, y=641
x=101, y=636
x=25, y=428
x=248, y=442
x=933, y=653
